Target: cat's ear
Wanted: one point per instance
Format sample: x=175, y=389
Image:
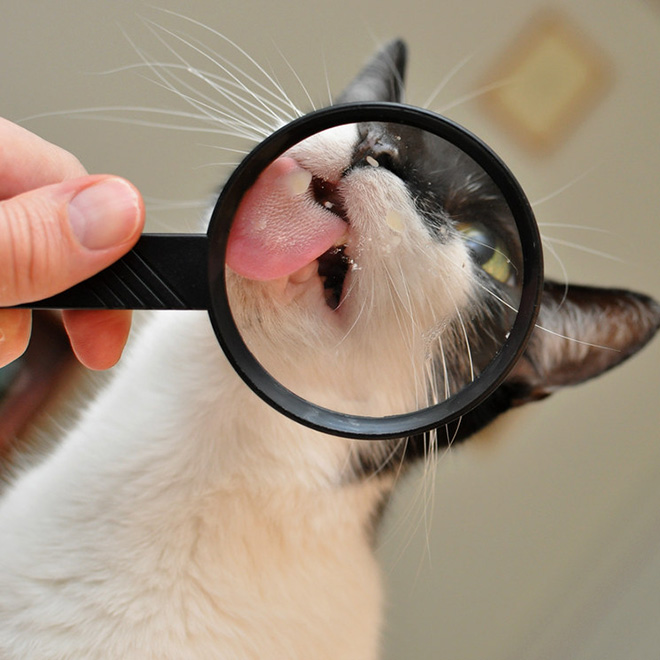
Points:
x=581, y=332
x=381, y=79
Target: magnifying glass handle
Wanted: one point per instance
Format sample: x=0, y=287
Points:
x=162, y=271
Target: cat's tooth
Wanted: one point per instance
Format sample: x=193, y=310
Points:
x=372, y=161
x=341, y=241
x=304, y=274
x=394, y=220
x=297, y=181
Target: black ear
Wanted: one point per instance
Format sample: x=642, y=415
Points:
x=382, y=77
x=581, y=332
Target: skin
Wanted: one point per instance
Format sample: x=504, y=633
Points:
x=49, y=242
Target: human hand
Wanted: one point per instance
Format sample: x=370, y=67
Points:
x=59, y=226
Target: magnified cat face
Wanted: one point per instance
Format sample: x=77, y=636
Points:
x=374, y=269
x=370, y=269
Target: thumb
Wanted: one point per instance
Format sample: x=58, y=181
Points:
x=56, y=236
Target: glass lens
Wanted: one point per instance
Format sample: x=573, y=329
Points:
x=374, y=269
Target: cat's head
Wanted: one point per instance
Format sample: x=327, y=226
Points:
x=380, y=322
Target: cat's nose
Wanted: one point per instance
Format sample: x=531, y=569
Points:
x=377, y=147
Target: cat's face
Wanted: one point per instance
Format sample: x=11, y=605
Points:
x=417, y=275
x=417, y=250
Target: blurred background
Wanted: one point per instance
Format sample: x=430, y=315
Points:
x=542, y=539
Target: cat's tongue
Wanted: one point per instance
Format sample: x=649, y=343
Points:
x=279, y=227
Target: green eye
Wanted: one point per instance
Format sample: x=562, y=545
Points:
x=488, y=250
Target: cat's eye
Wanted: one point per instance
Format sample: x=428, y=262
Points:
x=376, y=304
x=488, y=249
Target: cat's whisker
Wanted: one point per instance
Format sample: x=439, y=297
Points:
x=158, y=204
x=446, y=80
x=582, y=248
x=482, y=91
x=355, y=323
x=404, y=529
x=244, y=105
x=542, y=328
x=219, y=163
x=451, y=439
x=297, y=77
x=97, y=115
x=574, y=340
x=240, y=152
x=445, y=372
x=223, y=85
x=208, y=112
x=391, y=451
x=560, y=262
x=222, y=114
x=466, y=339
x=430, y=465
x=216, y=61
x=211, y=109
x=406, y=306
x=567, y=225
x=564, y=188
x=242, y=52
x=326, y=76
x=218, y=82
x=163, y=82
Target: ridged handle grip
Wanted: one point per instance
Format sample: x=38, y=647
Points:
x=162, y=271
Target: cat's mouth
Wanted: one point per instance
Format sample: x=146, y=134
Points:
x=291, y=232
x=333, y=265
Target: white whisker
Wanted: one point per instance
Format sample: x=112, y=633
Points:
x=582, y=248
x=153, y=27
x=158, y=204
x=327, y=80
x=97, y=115
x=566, y=225
x=446, y=80
x=576, y=341
x=297, y=77
x=482, y=91
x=563, y=188
x=554, y=253
x=240, y=50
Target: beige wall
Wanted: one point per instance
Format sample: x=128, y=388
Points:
x=544, y=543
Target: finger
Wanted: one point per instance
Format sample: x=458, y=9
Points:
x=97, y=336
x=28, y=162
x=15, y=327
x=56, y=236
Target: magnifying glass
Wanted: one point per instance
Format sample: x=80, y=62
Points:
x=371, y=270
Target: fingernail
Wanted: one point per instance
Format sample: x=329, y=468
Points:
x=105, y=214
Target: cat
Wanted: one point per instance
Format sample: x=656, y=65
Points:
x=183, y=518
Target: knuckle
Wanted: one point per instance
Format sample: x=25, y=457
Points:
x=27, y=249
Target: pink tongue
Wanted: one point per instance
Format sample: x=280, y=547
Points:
x=279, y=227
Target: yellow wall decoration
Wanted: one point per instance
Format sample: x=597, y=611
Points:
x=547, y=81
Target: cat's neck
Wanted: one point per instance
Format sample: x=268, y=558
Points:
x=219, y=493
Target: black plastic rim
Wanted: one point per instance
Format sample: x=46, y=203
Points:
x=330, y=421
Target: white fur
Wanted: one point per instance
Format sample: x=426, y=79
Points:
x=212, y=529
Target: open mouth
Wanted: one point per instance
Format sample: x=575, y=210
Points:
x=335, y=262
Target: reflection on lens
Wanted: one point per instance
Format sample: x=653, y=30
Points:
x=374, y=269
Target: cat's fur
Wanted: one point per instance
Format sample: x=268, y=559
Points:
x=184, y=518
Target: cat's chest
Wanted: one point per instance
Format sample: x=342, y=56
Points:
x=209, y=575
